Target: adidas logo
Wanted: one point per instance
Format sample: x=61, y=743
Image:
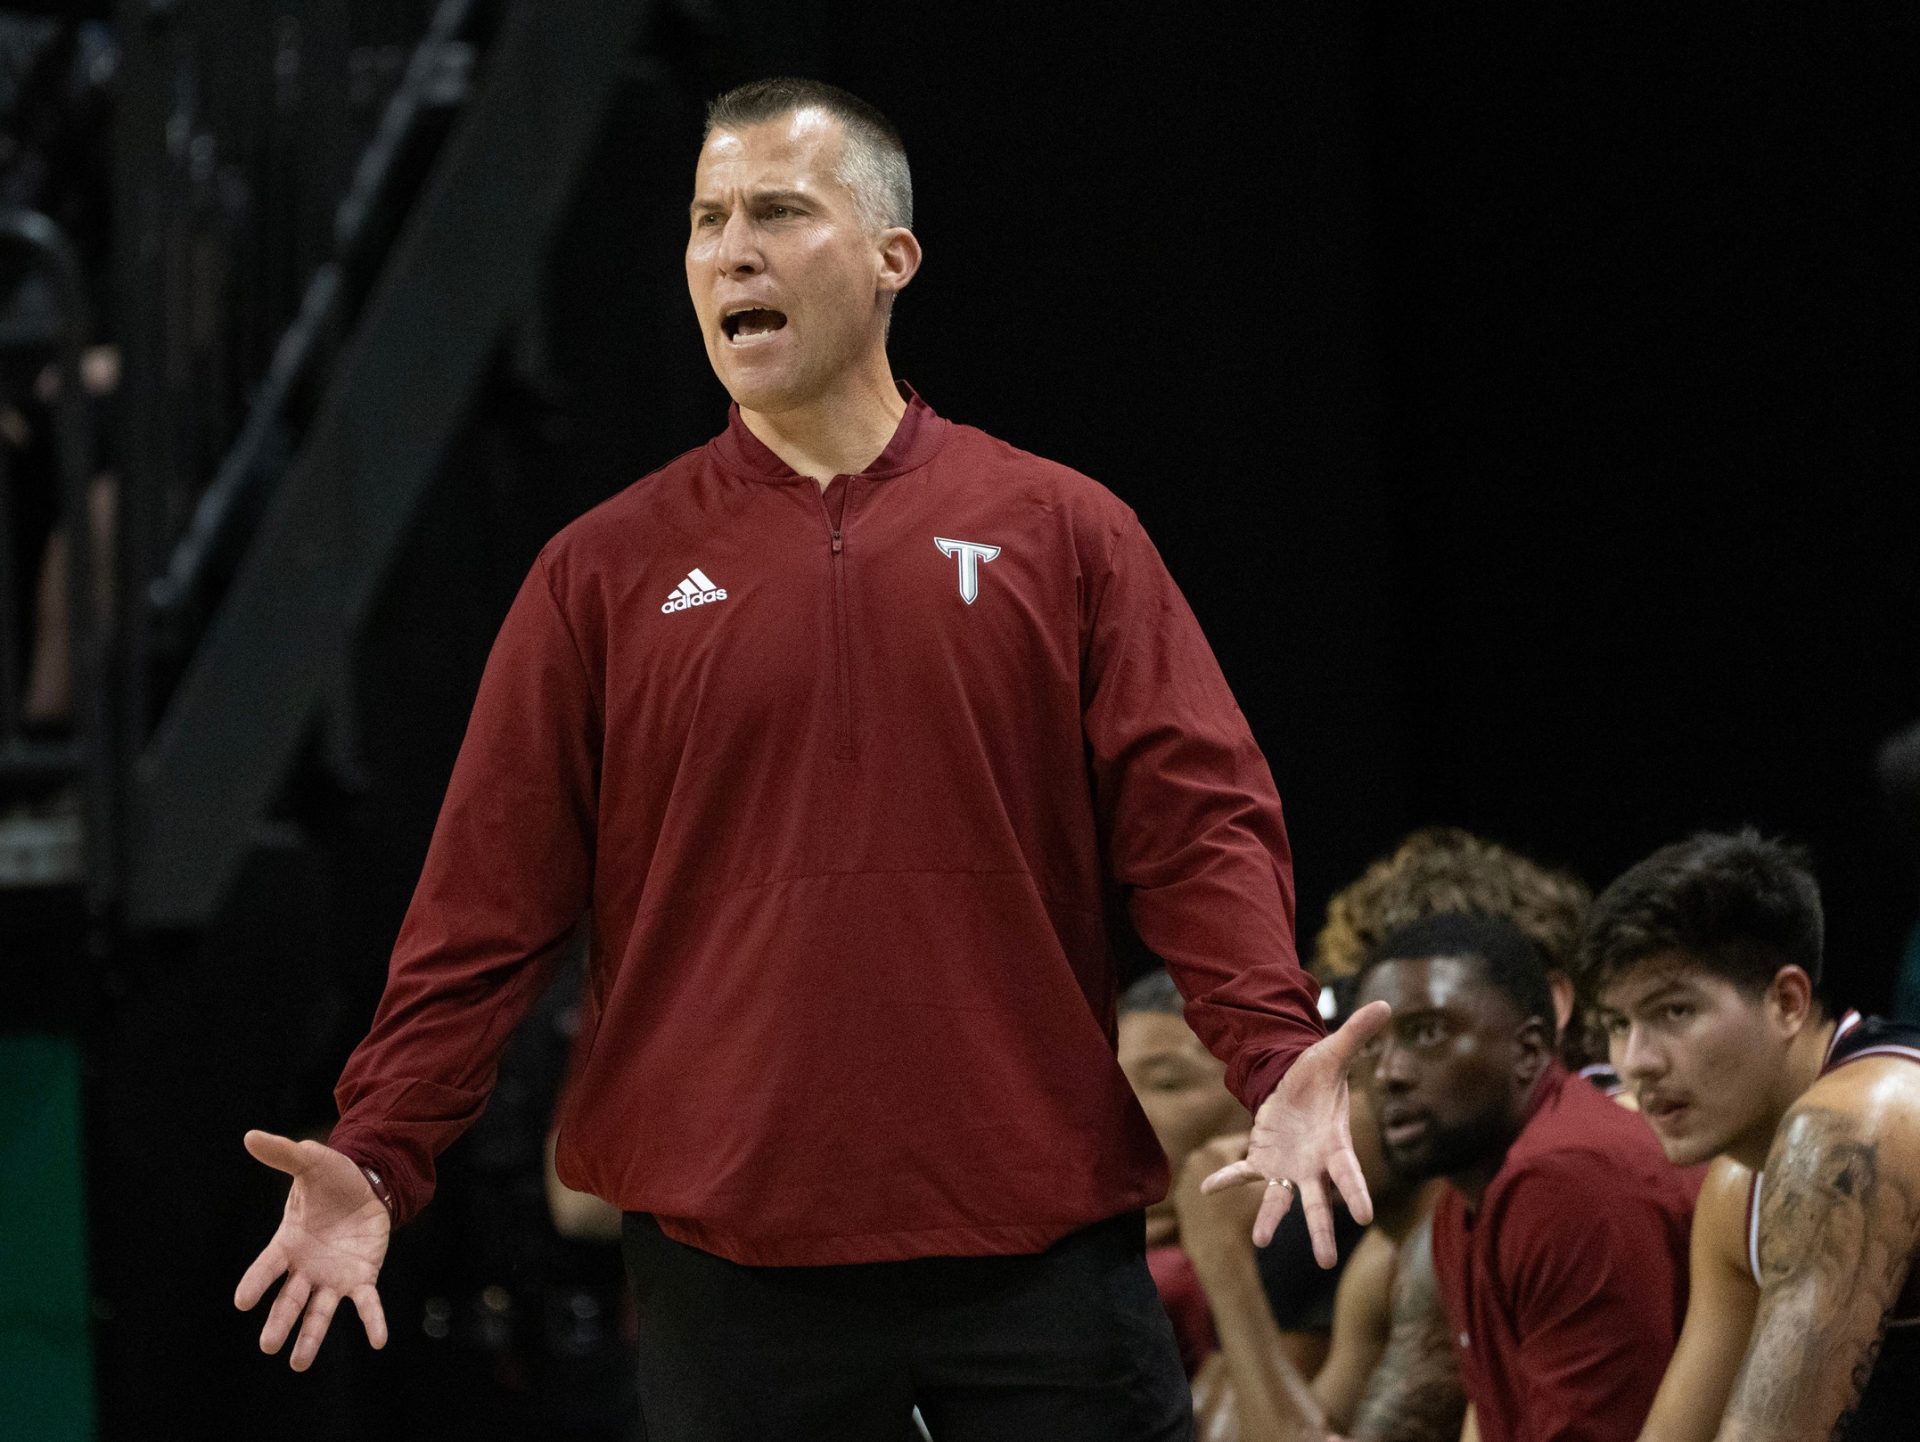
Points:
x=696, y=590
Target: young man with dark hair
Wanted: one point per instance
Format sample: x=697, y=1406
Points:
x=1805, y=1322
x=1559, y=1245
x=847, y=727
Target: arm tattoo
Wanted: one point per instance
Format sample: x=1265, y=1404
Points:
x=1836, y=1236
x=1414, y=1394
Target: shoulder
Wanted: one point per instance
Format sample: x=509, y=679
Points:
x=1872, y=1102
x=976, y=455
x=607, y=533
x=1720, y=1215
x=1724, y=1193
x=1586, y=1190
x=1551, y=1179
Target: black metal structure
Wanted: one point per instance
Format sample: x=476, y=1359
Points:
x=46, y=324
x=285, y=549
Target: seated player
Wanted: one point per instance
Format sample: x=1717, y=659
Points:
x=1559, y=1243
x=1442, y=870
x=1433, y=871
x=1805, y=1320
x=1261, y=1387
x=1182, y=1088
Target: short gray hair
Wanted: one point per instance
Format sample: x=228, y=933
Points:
x=874, y=163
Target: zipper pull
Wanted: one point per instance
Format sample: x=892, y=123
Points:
x=836, y=543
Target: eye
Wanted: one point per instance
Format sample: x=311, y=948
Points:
x=778, y=212
x=1426, y=1032
x=1677, y=1011
x=1614, y=1026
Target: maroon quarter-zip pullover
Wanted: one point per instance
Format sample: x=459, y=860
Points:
x=847, y=781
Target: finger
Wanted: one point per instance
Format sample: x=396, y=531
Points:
x=1344, y=1168
x=253, y=1285
x=313, y=1331
x=285, y=1312
x=1313, y=1196
x=1216, y=1154
x=373, y=1316
x=1239, y=1173
x=280, y=1153
x=1273, y=1206
x=1357, y=1031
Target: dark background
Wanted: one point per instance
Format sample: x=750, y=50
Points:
x=1523, y=399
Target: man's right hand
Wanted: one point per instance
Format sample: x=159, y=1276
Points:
x=330, y=1245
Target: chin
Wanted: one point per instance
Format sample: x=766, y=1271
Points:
x=1411, y=1164
x=1691, y=1151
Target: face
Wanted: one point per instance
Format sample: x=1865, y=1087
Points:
x=1183, y=1090
x=1452, y=1071
x=1700, y=1054
x=790, y=284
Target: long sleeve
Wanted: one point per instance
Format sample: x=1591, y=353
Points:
x=1190, y=819
x=507, y=878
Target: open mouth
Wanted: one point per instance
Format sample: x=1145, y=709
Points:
x=1662, y=1111
x=751, y=323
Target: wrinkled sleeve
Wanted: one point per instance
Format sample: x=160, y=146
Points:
x=1190, y=818
x=506, y=879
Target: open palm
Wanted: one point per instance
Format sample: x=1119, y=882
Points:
x=1300, y=1135
x=330, y=1244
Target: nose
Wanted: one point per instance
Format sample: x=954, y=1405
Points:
x=739, y=250
x=1393, y=1069
x=1636, y=1057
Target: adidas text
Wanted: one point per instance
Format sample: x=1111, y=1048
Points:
x=696, y=590
x=682, y=603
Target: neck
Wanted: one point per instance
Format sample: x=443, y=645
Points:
x=1397, y=1214
x=1805, y=1056
x=837, y=434
x=1473, y=1181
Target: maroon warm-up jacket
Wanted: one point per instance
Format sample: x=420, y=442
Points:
x=848, y=782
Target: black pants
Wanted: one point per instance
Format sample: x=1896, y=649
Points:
x=1067, y=1345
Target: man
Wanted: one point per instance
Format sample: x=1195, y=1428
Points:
x=1182, y=1088
x=846, y=726
x=1265, y=1388
x=1441, y=869
x=1805, y=1319
x=1559, y=1245
x=1437, y=870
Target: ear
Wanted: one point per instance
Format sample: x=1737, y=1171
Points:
x=1789, y=999
x=899, y=256
x=1533, y=1049
x=1561, y=985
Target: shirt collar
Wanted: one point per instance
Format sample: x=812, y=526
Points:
x=915, y=440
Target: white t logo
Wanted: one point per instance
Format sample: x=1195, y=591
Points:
x=971, y=554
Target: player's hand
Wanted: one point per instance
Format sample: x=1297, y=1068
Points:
x=330, y=1245
x=1300, y=1137
x=1214, y=1226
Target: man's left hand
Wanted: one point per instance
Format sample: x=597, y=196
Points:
x=1300, y=1140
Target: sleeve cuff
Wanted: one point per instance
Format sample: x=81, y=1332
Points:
x=1264, y=1075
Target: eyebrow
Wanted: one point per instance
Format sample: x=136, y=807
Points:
x=1664, y=989
x=758, y=197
